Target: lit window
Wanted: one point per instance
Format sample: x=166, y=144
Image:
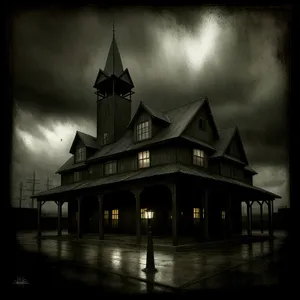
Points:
x=198, y=157
x=143, y=213
x=76, y=176
x=115, y=218
x=223, y=215
x=80, y=154
x=143, y=131
x=105, y=138
x=144, y=159
x=196, y=213
x=110, y=167
x=106, y=216
x=202, y=124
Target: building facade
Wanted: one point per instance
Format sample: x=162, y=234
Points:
x=193, y=175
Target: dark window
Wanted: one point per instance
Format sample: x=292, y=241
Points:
x=202, y=124
x=106, y=217
x=110, y=167
x=80, y=154
x=76, y=176
x=143, y=131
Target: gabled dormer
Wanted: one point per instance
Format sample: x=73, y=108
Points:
x=202, y=125
x=235, y=148
x=146, y=122
x=83, y=146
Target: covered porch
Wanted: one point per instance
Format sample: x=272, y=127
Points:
x=187, y=207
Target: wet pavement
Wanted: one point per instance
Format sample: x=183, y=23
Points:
x=121, y=268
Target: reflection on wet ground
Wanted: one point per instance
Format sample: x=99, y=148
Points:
x=213, y=268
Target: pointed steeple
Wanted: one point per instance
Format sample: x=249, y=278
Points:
x=113, y=65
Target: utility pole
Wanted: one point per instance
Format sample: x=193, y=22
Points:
x=34, y=182
x=48, y=184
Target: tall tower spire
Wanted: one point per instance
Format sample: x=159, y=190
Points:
x=113, y=65
x=113, y=44
x=113, y=89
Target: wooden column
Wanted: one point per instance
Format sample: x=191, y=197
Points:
x=270, y=213
x=101, y=217
x=39, y=213
x=79, y=234
x=137, y=215
x=249, y=218
x=59, y=210
x=174, y=215
x=261, y=216
x=205, y=205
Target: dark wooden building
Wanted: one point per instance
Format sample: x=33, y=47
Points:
x=176, y=162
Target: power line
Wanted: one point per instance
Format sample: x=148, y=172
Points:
x=21, y=198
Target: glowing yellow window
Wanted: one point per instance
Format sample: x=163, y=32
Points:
x=115, y=214
x=196, y=213
x=143, y=213
x=115, y=218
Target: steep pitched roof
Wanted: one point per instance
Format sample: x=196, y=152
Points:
x=225, y=136
x=113, y=65
x=102, y=76
x=69, y=165
x=88, y=141
x=249, y=169
x=153, y=112
x=179, y=118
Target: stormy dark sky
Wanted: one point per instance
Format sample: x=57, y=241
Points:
x=237, y=58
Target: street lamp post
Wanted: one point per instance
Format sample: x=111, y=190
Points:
x=150, y=264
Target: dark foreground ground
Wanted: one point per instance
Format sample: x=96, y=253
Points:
x=60, y=263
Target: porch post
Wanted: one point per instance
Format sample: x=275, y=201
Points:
x=174, y=215
x=137, y=215
x=101, y=227
x=205, y=204
x=39, y=211
x=59, y=209
x=79, y=235
x=249, y=218
x=270, y=213
x=261, y=216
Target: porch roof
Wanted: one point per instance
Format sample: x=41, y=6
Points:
x=149, y=173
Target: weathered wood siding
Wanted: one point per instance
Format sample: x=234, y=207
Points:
x=127, y=163
x=122, y=116
x=184, y=155
x=67, y=178
x=105, y=119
